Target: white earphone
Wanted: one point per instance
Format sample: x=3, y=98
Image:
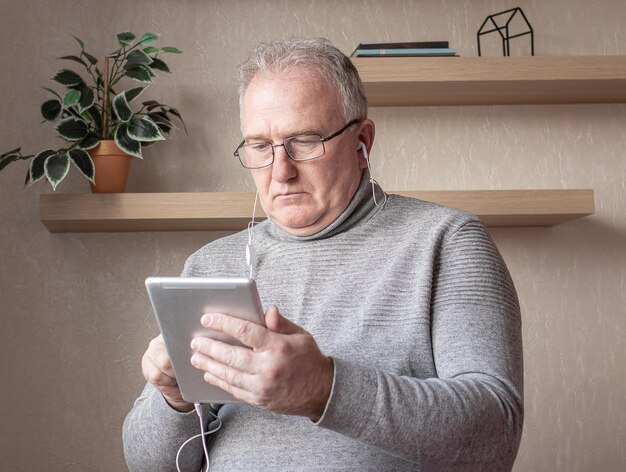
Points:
x=363, y=148
x=375, y=184
x=250, y=254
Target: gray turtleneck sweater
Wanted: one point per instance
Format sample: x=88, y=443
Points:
x=417, y=309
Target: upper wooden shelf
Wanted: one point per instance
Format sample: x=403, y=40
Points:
x=396, y=81
x=230, y=211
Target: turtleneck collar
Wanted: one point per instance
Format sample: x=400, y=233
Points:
x=360, y=209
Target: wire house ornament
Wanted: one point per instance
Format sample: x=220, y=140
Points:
x=502, y=23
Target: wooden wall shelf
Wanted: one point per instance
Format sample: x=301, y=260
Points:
x=398, y=81
x=231, y=211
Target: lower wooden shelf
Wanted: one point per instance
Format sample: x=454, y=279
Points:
x=231, y=211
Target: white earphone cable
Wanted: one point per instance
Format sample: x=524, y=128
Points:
x=201, y=435
x=372, y=180
x=250, y=255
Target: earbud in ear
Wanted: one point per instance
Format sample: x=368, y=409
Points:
x=363, y=148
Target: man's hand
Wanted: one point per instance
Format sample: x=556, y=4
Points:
x=284, y=371
x=157, y=369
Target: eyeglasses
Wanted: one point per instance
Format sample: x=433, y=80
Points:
x=302, y=147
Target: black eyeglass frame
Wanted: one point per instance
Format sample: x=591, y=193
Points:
x=286, y=141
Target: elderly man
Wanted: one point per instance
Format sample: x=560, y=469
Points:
x=392, y=338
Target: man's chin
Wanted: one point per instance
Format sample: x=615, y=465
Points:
x=298, y=225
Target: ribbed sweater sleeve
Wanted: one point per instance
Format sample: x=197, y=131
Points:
x=469, y=414
x=153, y=432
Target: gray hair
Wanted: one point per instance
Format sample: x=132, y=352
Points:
x=317, y=54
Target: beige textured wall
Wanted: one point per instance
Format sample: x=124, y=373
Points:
x=74, y=315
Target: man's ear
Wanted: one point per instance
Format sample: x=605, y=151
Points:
x=366, y=134
x=367, y=131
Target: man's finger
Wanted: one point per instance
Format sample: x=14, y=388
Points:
x=237, y=357
x=156, y=376
x=161, y=359
x=237, y=392
x=232, y=377
x=246, y=332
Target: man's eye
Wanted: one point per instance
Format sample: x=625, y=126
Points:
x=305, y=141
x=258, y=147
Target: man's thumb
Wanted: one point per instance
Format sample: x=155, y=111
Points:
x=278, y=323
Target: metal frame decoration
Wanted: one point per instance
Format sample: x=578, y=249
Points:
x=506, y=37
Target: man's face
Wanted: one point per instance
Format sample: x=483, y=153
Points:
x=303, y=197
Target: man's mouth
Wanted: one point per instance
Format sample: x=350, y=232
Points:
x=289, y=194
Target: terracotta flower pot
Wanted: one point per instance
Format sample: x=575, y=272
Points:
x=112, y=168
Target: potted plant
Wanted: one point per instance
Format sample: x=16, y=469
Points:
x=95, y=117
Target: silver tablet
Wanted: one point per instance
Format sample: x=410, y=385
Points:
x=179, y=303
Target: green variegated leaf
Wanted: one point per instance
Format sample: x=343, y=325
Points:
x=12, y=156
x=90, y=141
x=85, y=116
x=75, y=59
x=12, y=151
x=37, y=170
x=71, y=97
x=83, y=162
x=90, y=58
x=51, y=109
x=125, y=38
x=96, y=117
x=134, y=93
x=176, y=113
x=161, y=121
x=151, y=104
x=151, y=50
x=56, y=168
x=68, y=78
x=137, y=57
x=126, y=143
x=121, y=108
x=52, y=92
x=146, y=144
x=165, y=109
x=148, y=38
x=87, y=99
x=142, y=128
x=159, y=65
x=73, y=113
x=80, y=42
x=140, y=73
x=5, y=160
x=72, y=129
x=171, y=49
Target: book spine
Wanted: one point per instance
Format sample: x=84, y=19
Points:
x=407, y=55
x=401, y=51
x=406, y=45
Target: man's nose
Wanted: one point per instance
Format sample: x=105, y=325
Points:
x=283, y=168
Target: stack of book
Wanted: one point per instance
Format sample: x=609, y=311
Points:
x=410, y=49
